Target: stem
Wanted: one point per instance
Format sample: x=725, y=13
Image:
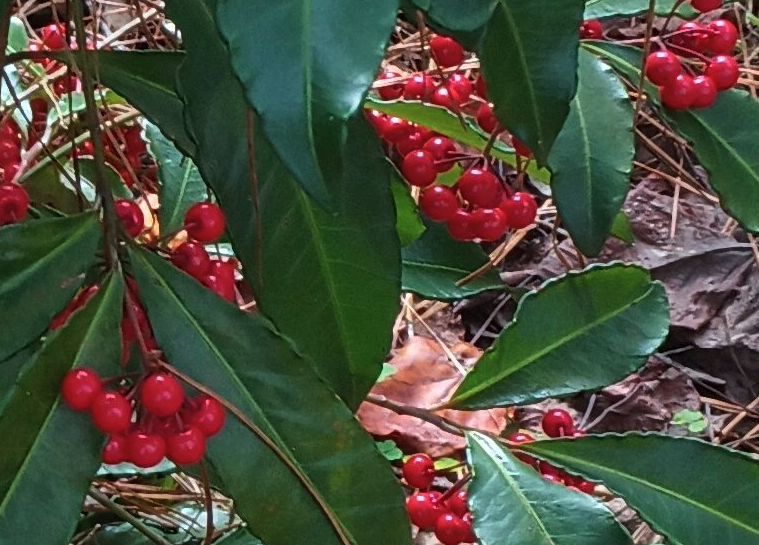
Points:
x=125, y=515
x=677, y=4
x=208, y=504
x=455, y=488
x=646, y=51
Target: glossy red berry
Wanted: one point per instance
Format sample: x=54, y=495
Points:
x=130, y=214
x=460, y=226
x=390, y=92
x=419, y=471
x=80, y=387
x=424, y=508
x=438, y=202
x=479, y=187
x=111, y=412
x=145, y=449
x=519, y=148
x=485, y=118
x=723, y=37
x=441, y=149
x=161, y=394
x=446, y=51
x=450, y=529
x=662, y=67
x=520, y=209
x=704, y=92
x=723, y=70
x=14, y=203
x=53, y=36
x=457, y=503
x=187, y=447
x=470, y=537
x=418, y=167
x=480, y=87
x=395, y=129
x=691, y=36
x=412, y=142
x=206, y=414
x=220, y=285
x=115, y=450
x=679, y=94
x=557, y=423
x=705, y=5
x=442, y=96
x=378, y=120
x=60, y=319
x=585, y=486
x=591, y=29
x=418, y=87
x=460, y=86
x=518, y=438
x=489, y=224
x=192, y=258
x=204, y=222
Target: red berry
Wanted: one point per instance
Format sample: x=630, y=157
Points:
x=418, y=168
x=557, y=423
x=662, y=67
x=459, y=86
x=220, y=285
x=10, y=152
x=591, y=30
x=552, y=477
x=53, y=36
x=111, y=412
x=446, y=51
x=520, y=209
x=393, y=91
x=411, y=142
x=441, y=149
x=467, y=520
x=396, y=129
x=705, y=5
x=378, y=120
x=206, y=414
x=457, y=503
x=723, y=37
x=585, y=486
x=115, y=450
x=14, y=203
x=547, y=469
x=423, y=509
x=187, y=447
x=485, y=118
x=460, y=225
x=130, y=214
x=480, y=87
x=60, y=319
x=704, y=92
x=442, y=96
x=80, y=387
x=450, y=529
x=418, y=87
x=192, y=258
x=519, y=148
x=518, y=438
x=161, y=394
x=419, y=471
x=691, y=36
x=204, y=221
x=438, y=202
x=723, y=70
x=479, y=187
x=679, y=94
x=133, y=141
x=145, y=449
x=489, y=223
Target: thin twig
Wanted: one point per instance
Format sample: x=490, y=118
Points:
x=125, y=515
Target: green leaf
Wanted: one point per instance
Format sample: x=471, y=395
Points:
x=407, y=221
x=512, y=504
x=434, y=263
x=389, y=450
x=17, y=38
x=599, y=9
x=307, y=82
x=11, y=369
x=42, y=265
x=721, y=137
x=579, y=332
x=444, y=122
x=329, y=281
x=621, y=228
x=592, y=157
x=687, y=490
x=535, y=109
x=55, y=452
x=181, y=183
x=321, y=473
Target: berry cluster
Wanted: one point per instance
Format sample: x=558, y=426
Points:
x=446, y=514
x=167, y=423
x=479, y=205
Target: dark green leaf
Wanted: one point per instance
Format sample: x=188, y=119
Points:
x=180, y=182
x=11, y=369
x=512, y=504
x=47, y=466
x=305, y=68
x=598, y=9
x=433, y=264
x=42, y=265
x=592, y=157
x=444, y=122
x=239, y=537
x=621, y=228
x=688, y=490
x=407, y=221
x=336, y=479
x=579, y=332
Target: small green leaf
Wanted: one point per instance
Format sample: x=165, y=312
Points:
x=445, y=464
x=434, y=263
x=688, y=490
x=621, y=228
x=17, y=37
x=579, y=332
x=42, y=265
x=407, y=221
x=389, y=450
x=512, y=504
x=387, y=372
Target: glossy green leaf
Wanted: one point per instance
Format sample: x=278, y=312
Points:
x=721, y=135
x=328, y=280
x=444, y=122
x=336, y=481
x=689, y=491
x=579, y=332
x=592, y=157
x=434, y=263
x=48, y=465
x=621, y=228
x=180, y=182
x=512, y=504
x=305, y=67
x=17, y=37
x=599, y=9
x=407, y=221
x=42, y=265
